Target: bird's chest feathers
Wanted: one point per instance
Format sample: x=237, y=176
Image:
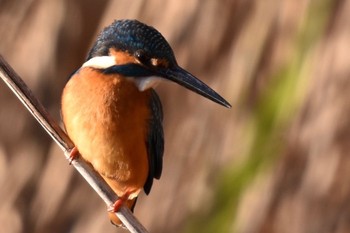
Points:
x=107, y=118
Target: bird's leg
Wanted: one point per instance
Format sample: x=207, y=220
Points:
x=73, y=154
x=118, y=203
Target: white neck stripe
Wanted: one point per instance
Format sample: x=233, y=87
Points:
x=101, y=62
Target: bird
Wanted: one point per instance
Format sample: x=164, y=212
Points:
x=112, y=113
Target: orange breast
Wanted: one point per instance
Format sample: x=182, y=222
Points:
x=106, y=117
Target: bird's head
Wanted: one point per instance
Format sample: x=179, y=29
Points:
x=133, y=49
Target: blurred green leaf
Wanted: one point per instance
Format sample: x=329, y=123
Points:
x=276, y=107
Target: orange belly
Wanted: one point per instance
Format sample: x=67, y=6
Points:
x=106, y=117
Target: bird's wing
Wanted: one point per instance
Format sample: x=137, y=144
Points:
x=155, y=141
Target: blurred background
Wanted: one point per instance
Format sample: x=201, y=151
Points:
x=278, y=161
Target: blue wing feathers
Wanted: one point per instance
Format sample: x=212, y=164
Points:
x=155, y=142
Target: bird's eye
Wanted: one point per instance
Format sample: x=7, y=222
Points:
x=142, y=57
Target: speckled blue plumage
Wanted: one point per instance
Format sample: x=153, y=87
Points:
x=132, y=35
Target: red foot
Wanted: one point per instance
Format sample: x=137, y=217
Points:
x=118, y=203
x=116, y=206
x=74, y=153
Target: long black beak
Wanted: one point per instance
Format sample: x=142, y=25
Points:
x=175, y=74
x=185, y=79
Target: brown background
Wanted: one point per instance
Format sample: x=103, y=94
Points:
x=278, y=161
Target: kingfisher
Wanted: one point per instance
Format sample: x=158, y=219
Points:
x=112, y=113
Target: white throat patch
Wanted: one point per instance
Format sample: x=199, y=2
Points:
x=144, y=83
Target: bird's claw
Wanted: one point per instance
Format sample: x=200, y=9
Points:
x=115, y=206
x=118, y=203
x=73, y=154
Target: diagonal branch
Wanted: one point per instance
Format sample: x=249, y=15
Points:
x=16, y=84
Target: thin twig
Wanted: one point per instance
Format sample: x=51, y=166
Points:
x=16, y=84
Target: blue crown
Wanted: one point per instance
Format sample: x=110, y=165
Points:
x=132, y=36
